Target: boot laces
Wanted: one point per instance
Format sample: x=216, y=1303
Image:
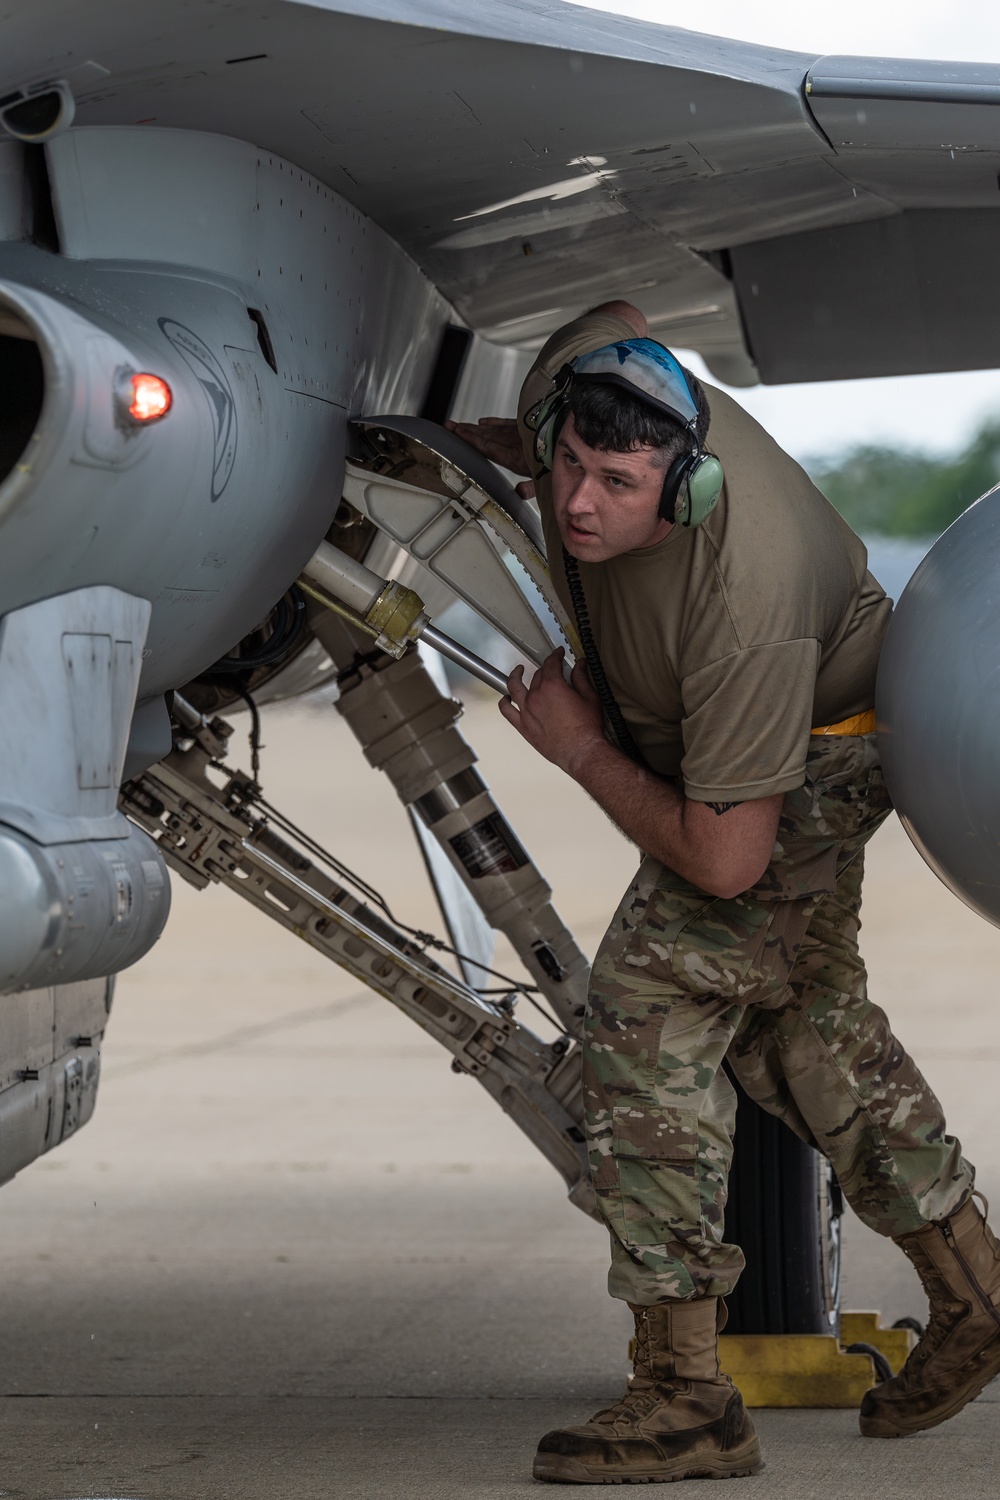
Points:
x=641, y=1396
x=643, y=1352
x=945, y=1310
x=940, y=1323
x=642, y=1392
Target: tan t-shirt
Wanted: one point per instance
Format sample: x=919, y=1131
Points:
x=727, y=642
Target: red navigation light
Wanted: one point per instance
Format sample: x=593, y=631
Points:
x=151, y=398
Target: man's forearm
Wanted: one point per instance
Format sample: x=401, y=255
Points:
x=687, y=837
x=648, y=811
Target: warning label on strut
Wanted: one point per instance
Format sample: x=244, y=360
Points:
x=489, y=848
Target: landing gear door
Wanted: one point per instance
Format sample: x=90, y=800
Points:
x=455, y=515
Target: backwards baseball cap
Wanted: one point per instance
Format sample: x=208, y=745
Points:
x=642, y=367
x=645, y=369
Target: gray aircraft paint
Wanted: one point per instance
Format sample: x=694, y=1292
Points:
x=50, y=1063
x=83, y=893
x=938, y=704
x=168, y=238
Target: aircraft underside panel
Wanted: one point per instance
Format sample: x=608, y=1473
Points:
x=50, y=1062
x=900, y=295
x=83, y=893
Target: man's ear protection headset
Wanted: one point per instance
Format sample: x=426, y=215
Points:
x=648, y=371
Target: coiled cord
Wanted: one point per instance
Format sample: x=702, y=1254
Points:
x=595, y=666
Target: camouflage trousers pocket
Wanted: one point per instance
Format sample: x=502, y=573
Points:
x=720, y=952
x=742, y=950
x=648, y=947
x=653, y=1195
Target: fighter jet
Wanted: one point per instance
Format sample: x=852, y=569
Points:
x=252, y=256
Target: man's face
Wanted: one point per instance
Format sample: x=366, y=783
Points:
x=605, y=503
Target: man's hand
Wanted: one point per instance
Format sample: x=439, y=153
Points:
x=629, y=313
x=496, y=438
x=561, y=720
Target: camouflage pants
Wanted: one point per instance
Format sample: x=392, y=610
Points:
x=773, y=981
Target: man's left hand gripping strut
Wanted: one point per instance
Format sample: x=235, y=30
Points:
x=561, y=720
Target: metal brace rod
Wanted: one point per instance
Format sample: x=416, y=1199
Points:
x=216, y=834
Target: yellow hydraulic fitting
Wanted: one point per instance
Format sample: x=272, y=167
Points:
x=397, y=616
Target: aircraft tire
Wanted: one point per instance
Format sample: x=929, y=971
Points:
x=784, y=1212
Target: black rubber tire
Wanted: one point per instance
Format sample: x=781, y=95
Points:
x=784, y=1212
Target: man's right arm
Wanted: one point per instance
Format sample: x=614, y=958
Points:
x=627, y=313
x=496, y=438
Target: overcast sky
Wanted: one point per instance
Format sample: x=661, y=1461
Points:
x=921, y=410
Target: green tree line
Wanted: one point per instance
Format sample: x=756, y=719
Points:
x=899, y=492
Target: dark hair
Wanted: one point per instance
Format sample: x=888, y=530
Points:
x=608, y=418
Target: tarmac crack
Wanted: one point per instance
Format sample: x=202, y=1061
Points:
x=231, y=1039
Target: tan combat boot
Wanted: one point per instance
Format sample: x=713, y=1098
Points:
x=958, y=1262
x=679, y=1418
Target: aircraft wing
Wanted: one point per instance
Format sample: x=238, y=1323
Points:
x=791, y=217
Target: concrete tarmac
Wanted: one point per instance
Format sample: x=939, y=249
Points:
x=294, y=1255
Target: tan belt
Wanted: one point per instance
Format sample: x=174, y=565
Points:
x=856, y=724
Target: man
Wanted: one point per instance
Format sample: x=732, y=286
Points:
x=734, y=643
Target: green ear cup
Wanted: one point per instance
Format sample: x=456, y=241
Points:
x=700, y=491
x=545, y=419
